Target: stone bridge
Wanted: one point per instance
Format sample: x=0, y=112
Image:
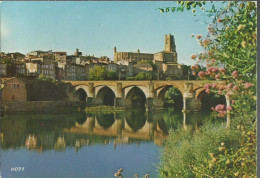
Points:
x=121, y=93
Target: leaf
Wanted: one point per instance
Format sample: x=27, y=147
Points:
x=162, y=11
x=167, y=9
x=173, y=9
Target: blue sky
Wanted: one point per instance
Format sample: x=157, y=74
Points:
x=96, y=27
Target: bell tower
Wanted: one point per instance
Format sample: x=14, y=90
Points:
x=170, y=43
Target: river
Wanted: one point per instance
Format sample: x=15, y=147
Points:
x=79, y=144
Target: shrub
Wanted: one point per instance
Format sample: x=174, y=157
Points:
x=184, y=151
x=144, y=76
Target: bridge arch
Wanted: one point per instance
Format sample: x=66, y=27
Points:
x=176, y=96
x=161, y=87
x=210, y=100
x=129, y=88
x=135, y=96
x=81, y=91
x=105, y=96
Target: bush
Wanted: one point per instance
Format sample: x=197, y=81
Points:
x=130, y=78
x=46, y=89
x=112, y=75
x=192, y=150
x=144, y=76
x=97, y=73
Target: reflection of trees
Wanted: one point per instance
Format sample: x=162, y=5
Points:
x=135, y=119
x=81, y=119
x=105, y=120
x=50, y=129
x=168, y=119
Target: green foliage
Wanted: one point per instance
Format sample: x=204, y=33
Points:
x=173, y=97
x=112, y=75
x=104, y=109
x=130, y=78
x=183, y=151
x=145, y=62
x=231, y=160
x=144, y=76
x=230, y=54
x=168, y=78
x=46, y=89
x=6, y=60
x=97, y=73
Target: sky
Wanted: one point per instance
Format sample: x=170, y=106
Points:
x=97, y=27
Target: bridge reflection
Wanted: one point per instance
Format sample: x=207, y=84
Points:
x=40, y=132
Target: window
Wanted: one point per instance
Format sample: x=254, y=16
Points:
x=14, y=85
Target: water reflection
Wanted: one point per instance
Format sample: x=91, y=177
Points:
x=40, y=132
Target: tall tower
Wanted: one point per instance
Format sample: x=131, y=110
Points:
x=170, y=43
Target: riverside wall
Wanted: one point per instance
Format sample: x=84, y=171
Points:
x=40, y=106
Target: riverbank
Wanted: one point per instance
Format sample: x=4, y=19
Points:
x=41, y=106
x=104, y=109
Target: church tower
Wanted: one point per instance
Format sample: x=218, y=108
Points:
x=170, y=43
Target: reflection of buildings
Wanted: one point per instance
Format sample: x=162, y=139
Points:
x=121, y=130
x=13, y=132
x=60, y=143
x=31, y=141
x=127, y=128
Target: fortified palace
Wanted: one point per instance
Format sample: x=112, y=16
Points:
x=165, y=61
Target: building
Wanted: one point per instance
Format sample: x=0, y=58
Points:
x=131, y=56
x=77, y=53
x=41, y=65
x=165, y=61
x=17, y=56
x=39, y=52
x=60, y=57
x=20, y=69
x=142, y=68
x=3, y=69
x=14, y=90
x=74, y=71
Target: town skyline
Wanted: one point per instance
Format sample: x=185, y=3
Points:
x=96, y=28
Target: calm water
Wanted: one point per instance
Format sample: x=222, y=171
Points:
x=87, y=145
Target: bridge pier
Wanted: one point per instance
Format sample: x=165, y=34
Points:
x=149, y=103
x=119, y=101
x=190, y=102
x=91, y=97
x=158, y=103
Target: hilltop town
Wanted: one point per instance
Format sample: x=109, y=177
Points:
x=125, y=66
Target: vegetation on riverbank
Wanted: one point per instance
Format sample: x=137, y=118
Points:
x=230, y=54
x=104, y=109
x=46, y=89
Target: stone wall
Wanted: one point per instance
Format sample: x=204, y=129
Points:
x=41, y=106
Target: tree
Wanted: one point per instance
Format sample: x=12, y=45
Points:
x=112, y=75
x=97, y=73
x=144, y=76
x=173, y=97
x=230, y=55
